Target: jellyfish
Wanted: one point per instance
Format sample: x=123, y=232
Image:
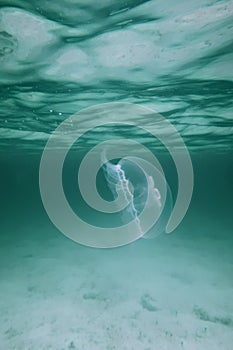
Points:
x=139, y=190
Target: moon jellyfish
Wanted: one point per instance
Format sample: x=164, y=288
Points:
x=141, y=192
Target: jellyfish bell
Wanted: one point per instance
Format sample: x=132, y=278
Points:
x=144, y=195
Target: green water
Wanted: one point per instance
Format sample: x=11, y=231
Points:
x=175, y=57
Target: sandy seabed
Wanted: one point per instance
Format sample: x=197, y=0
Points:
x=173, y=292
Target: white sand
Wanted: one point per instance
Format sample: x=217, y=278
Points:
x=170, y=293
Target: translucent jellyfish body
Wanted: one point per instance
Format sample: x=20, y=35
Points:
x=148, y=200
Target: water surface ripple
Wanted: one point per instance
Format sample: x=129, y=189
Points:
x=57, y=57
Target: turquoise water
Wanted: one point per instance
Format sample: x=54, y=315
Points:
x=175, y=59
x=59, y=58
